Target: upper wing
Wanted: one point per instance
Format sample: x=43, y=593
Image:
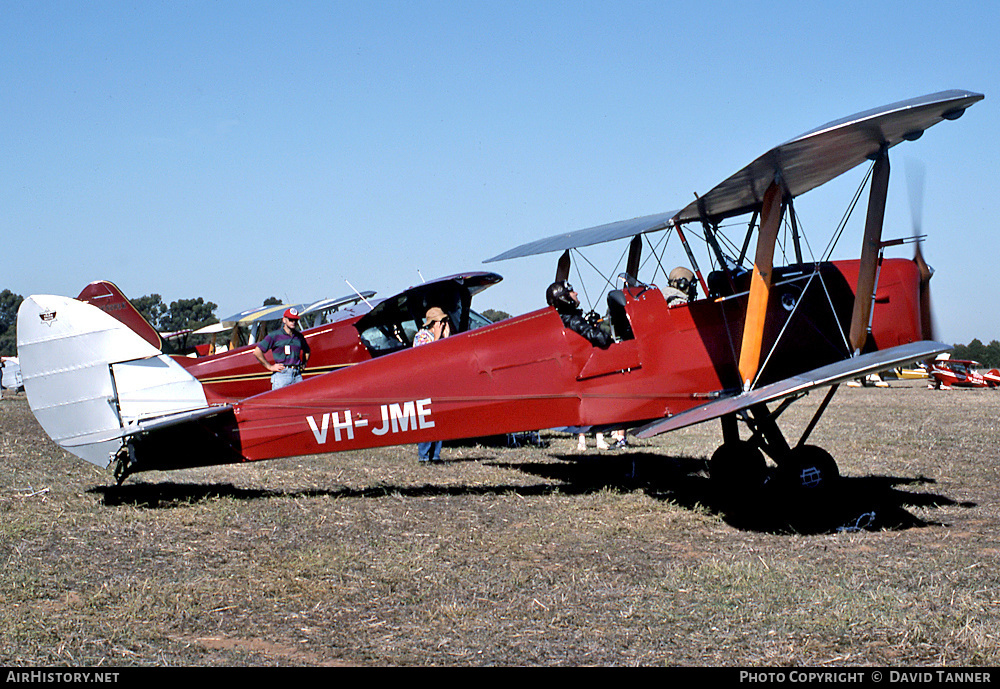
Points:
x=837, y=372
x=254, y=314
x=444, y=292
x=337, y=303
x=820, y=155
x=592, y=235
x=803, y=163
x=474, y=281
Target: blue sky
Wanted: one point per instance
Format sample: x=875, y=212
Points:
x=238, y=150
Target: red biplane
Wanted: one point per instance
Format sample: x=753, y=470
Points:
x=761, y=337
x=948, y=373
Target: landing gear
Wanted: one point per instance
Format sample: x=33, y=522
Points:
x=124, y=462
x=738, y=467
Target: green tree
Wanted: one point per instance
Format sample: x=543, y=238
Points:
x=179, y=315
x=9, y=304
x=271, y=301
x=152, y=308
x=189, y=313
x=976, y=351
x=992, y=356
x=987, y=355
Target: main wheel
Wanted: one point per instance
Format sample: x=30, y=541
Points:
x=810, y=467
x=736, y=467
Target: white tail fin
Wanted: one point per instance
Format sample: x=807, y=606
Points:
x=90, y=379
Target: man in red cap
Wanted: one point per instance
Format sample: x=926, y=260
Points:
x=289, y=349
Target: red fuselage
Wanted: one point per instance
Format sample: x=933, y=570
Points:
x=530, y=372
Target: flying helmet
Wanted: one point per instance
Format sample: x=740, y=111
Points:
x=558, y=295
x=680, y=278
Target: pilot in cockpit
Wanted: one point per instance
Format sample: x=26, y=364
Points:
x=681, y=287
x=561, y=296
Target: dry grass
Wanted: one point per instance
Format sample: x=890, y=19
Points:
x=528, y=556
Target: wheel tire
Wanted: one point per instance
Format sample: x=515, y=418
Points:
x=809, y=467
x=736, y=467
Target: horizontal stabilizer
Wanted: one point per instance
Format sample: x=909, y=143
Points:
x=90, y=379
x=157, y=422
x=830, y=374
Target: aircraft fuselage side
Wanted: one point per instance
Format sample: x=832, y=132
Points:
x=530, y=372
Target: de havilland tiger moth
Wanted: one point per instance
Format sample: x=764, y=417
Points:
x=761, y=336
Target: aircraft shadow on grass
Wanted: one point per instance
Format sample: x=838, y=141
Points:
x=870, y=503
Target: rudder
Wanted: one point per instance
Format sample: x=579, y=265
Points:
x=91, y=379
x=108, y=298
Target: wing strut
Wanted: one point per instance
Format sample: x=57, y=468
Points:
x=634, y=254
x=746, y=241
x=562, y=268
x=713, y=242
x=795, y=232
x=690, y=255
x=760, y=284
x=870, y=248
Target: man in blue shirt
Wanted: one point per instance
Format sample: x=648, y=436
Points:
x=289, y=349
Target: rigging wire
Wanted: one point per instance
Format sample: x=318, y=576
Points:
x=657, y=253
x=581, y=281
x=803, y=236
x=847, y=214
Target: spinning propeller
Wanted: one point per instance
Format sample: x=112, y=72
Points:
x=915, y=180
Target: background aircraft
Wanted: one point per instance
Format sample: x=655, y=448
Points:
x=10, y=377
x=340, y=332
x=948, y=373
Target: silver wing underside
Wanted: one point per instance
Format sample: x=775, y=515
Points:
x=802, y=164
x=590, y=236
x=830, y=374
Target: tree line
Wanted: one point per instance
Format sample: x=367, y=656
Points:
x=182, y=314
x=177, y=315
x=987, y=355
x=197, y=313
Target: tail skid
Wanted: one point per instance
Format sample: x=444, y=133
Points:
x=92, y=381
